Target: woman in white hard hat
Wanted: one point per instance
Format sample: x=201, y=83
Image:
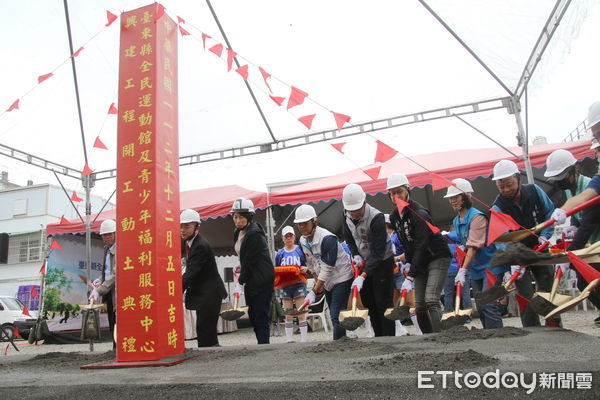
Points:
x=470, y=226
x=366, y=235
x=257, y=273
x=203, y=286
x=294, y=291
x=426, y=252
x=327, y=260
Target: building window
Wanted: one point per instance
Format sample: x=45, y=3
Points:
x=26, y=247
x=19, y=207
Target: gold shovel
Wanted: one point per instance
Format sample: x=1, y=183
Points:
x=544, y=302
x=458, y=316
x=236, y=312
x=570, y=304
x=355, y=317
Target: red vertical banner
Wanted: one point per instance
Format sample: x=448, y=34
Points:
x=149, y=302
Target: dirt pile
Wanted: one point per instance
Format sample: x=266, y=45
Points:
x=416, y=361
x=346, y=344
x=462, y=333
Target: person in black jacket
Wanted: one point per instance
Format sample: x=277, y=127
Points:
x=257, y=273
x=426, y=252
x=204, y=288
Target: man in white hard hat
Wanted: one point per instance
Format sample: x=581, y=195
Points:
x=203, y=286
x=427, y=253
x=529, y=206
x=366, y=235
x=105, y=287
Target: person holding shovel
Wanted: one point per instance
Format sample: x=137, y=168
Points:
x=257, y=273
x=327, y=260
x=427, y=253
x=366, y=235
x=204, y=288
x=529, y=206
x=470, y=226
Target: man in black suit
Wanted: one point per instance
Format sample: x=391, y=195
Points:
x=204, y=288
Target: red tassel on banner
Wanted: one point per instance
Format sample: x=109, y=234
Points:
x=373, y=172
x=55, y=246
x=307, y=120
x=523, y=302
x=500, y=223
x=384, y=152
x=433, y=228
x=183, y=31
x=278, y=100
x=99, y=145
x=204, y=37
x=439, y=182
x=34, y=293
x=180, y=20
x=588, y=272
x=340, y=120
x=491, y=278
x=63, y=220
x=77, y=52
x=86, y=170
x=339, y=146
x=230, y=56
x=265, y=76
x=42, y=78
x=159, y=12
x=110, y=18
x=297, y=97
x=400, y=204
x=112, y=109
x=217, y=49
x=25, y=311
x=76, y=198
x=13, y=106
x=43, y=269
x=243, y=71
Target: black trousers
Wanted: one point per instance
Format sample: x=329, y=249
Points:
x=112, y=317
x=207, y=318
x=377, y=294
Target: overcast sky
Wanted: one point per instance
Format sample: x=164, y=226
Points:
x=385, y=59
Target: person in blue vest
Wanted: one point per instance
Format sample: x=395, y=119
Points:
x=470, y=226
x=529, y=206
x=293, y=293
x=450, y=283
x=400, y=268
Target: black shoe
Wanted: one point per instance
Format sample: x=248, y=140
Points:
x=597, y=321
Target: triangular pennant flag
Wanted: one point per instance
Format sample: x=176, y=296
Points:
x=76, y=198
x=339, y=146
x=43, y=268
x=217, y=49
x=230, y=56
x=384, y=152
x=307, y=120
x=523, y=302
x=25, y=311
x=77, y=52
x=86, y=170
x=491, y=278
x=373, y=172
x=277, y=100
x=13, y=106
x=439, y=182
x=16, y=333
x=340, y=120
x=110, y=18
x=183, y=31
x=180, y=20
x=588, y=272
x=297, y=97
x=42, y=78
x=99, y=144
x=400, y=204
x=243, y=71
x=265, y=76
x=159, y=12
x=204, y=37
x=459, y=256
x=433, y=228
x=34, y=293
x=112, y=109
x=55, y=246
x=500, y=223
x=63, y=220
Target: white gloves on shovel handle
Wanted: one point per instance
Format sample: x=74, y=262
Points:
x=357, y=261
x=96, y=283
x=408, y=285
x=310, y=297
x=569, y=232
x=517, y=268
x=94, y=295
x=239, y=289
x=559, y=215
x=358, y=282
x=461, y=276
x=563, y=267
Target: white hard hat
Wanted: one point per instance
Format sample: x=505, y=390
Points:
x=353, y=197
x=243, y=205
x=504, y=169
x=558, y=163
x=304, y=213
x=287, y=229
x=460, y=186
x=189, y=215
x=396, y=180
x=593, y=114
x=595, y=144
x=108, y=226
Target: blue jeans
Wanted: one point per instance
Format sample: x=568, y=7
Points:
x=489, y=314
x=259, y=304
x=428, y=289
x=337, y=299
x=450, y=292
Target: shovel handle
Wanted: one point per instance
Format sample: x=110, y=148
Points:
x=236, y=299
x=303, y=306
x=512, y=279
x=457, y=297
x=557, y=276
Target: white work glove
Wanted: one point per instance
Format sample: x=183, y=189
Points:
x=358, y=282
x=515, y=268
x=404, y=268
x=542, y=240
x=96, y=283
x=569, y=232
x=564, y=267
x=310, y=297
x=408, y=285
x=460, y=276
x=559, y=215
x=239, y=289
x=94, y=295
x=357, y=261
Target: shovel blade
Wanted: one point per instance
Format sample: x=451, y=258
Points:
x=570, y=304
x=454, y=320
x=350, y=323
x=490, y=295
x=397, y=313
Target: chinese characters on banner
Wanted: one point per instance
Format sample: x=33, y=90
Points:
x=149, y=296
